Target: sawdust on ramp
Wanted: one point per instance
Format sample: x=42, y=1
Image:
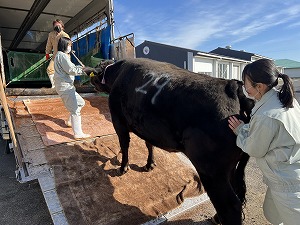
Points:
x=86, y=176
x=92, y=192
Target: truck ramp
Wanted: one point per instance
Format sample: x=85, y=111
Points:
x=80, y=179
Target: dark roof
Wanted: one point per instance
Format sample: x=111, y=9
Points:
x=168, y=46
x=195, y=52
x=233, y=53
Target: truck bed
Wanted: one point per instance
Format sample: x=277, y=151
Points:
x=80, y=180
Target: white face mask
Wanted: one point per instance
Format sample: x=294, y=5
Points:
x=68, y=49
x=247, y=95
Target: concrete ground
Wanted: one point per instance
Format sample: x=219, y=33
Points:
x=22, y=204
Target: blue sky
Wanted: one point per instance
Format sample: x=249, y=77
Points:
x=269, y=28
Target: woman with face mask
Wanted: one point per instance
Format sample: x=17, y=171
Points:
x=65, y=72
x=51, y=46
x=273, y=138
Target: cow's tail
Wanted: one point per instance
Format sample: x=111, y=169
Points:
x=239, y=178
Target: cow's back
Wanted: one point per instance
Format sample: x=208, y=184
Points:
x=160, y=101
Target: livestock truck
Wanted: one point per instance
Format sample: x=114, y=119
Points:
x=32, y=118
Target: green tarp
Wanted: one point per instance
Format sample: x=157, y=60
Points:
x=24, y=66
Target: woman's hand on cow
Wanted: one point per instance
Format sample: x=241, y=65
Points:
x=234, y=122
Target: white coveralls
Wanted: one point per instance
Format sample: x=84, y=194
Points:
x=273, y=138
x=65, y=72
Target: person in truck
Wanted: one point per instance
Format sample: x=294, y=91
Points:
x=65, y=72
x=51, y=46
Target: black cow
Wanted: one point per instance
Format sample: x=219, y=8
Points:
x=177, y=110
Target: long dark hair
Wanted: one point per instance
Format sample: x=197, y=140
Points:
x=265, y=71
x=63, y=43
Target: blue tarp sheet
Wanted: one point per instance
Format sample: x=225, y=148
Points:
x=105, y=42
x=86, y=44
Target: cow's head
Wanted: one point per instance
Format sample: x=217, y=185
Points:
x=246, y=104
x=234, y=90
x=98, y=79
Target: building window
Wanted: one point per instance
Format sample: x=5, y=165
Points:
x=235, y=72
x=223, y=70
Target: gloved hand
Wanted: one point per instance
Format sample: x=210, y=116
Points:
x=47, y=56
x=89, y=71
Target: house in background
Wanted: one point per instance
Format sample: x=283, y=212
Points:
x=242, y=54
x=290, y=67
x=164, y=53
x=199, y=62
x=239, y=54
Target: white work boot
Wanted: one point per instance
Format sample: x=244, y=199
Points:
x=68, y=122
x=76, y=125
x=51, y=77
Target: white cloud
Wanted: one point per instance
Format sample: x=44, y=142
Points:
x=294, y=25
x=198, y=24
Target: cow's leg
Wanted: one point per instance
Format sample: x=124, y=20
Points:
x=124, y=140
x=222, y=196
x=214, y=163
x=239, y=177
x=150, y=161
x=122, y=131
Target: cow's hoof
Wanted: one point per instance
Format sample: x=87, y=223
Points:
x=123, y=171
x=149, y=167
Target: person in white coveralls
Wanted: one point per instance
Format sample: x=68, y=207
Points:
x=65, y=72
x=273, y=137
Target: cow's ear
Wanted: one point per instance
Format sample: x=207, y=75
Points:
x=231, y=89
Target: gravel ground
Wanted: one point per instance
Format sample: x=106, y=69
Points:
x=253, y=211
x=255, y=196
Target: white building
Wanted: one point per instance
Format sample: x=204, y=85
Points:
x=216, y=65
x=213, y=64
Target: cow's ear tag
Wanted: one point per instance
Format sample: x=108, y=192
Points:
x=92, y=74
